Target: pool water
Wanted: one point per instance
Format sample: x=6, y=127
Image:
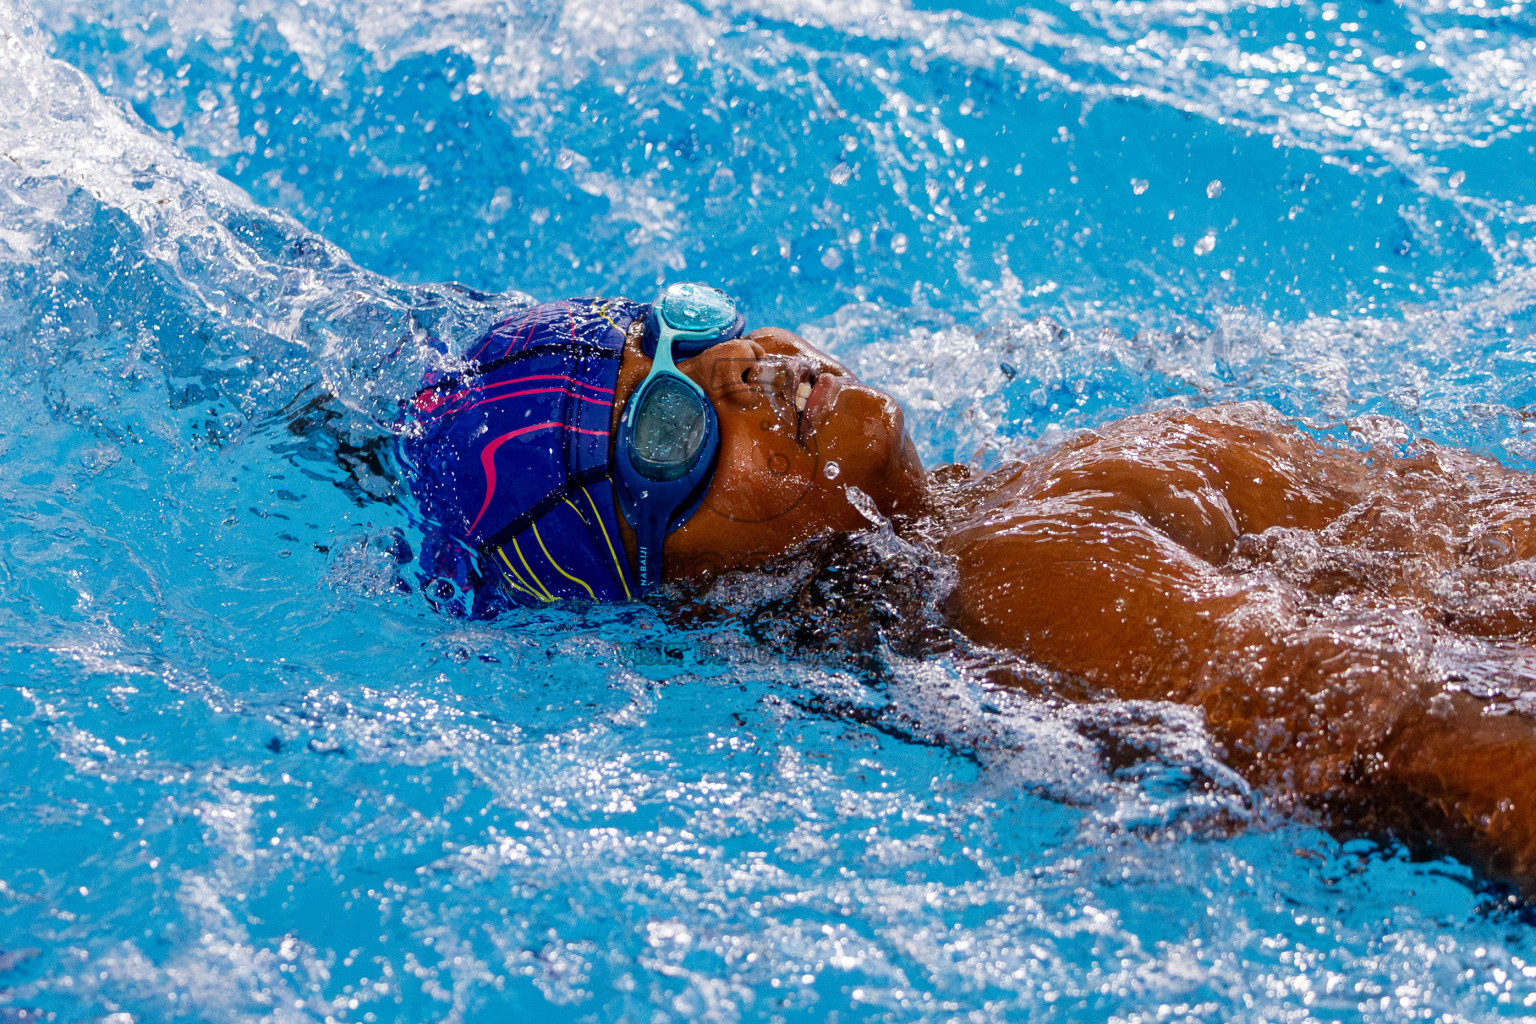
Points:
x=250, y=775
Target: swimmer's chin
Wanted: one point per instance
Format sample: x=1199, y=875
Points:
x=906, y=480
x=903, y=484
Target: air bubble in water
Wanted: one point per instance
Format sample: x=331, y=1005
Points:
x=1138, y=185
x=1206, y=243
x=1214, y=189
x=832, y=471
x=1457, y=178
x=898, y=243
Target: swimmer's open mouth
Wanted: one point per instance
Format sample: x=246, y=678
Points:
x=806, y=389
x=819, y=397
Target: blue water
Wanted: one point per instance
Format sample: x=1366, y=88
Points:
x=248, y=775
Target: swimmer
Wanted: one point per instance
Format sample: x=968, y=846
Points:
x=1300, y=595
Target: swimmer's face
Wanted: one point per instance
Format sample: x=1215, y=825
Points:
x=796, y=431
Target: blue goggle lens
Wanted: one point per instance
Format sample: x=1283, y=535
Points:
x=669, y=430
x=695, y=316
x=696, y=308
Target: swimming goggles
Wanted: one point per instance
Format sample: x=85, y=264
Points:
x=669, y=436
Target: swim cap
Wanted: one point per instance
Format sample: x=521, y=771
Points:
x=509, y=462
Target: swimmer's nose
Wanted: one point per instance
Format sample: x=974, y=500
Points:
x=733, y=371
x=779, y=343
x=770, y=364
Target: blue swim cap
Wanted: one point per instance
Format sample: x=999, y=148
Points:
x=508, y=460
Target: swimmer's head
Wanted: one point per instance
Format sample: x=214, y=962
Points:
x=797, y=430
x=508, y=458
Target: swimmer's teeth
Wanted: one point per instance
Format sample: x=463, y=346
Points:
x=802, y=395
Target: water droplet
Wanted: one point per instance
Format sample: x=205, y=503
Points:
x=832, y=259
x=1138, y=185
x=1206, y=243
x=866, y=506
x=1457, y=179
x=1214, y=189
x=898, y=243
x=832, y=471
x=840, y=173
x=966, y=106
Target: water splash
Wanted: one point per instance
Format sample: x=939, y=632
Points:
x=974, y=146
x=253, y=779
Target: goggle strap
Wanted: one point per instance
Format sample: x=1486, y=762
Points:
x=649, y=557
x=650, y=535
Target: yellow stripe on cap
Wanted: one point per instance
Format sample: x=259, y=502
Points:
x=531, y=574
x=517, y=579
x=616, y=563
x=556, y=564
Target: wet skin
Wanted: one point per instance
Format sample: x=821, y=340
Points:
x=1318, y=604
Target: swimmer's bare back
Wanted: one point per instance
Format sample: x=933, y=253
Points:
x=1309, y=599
